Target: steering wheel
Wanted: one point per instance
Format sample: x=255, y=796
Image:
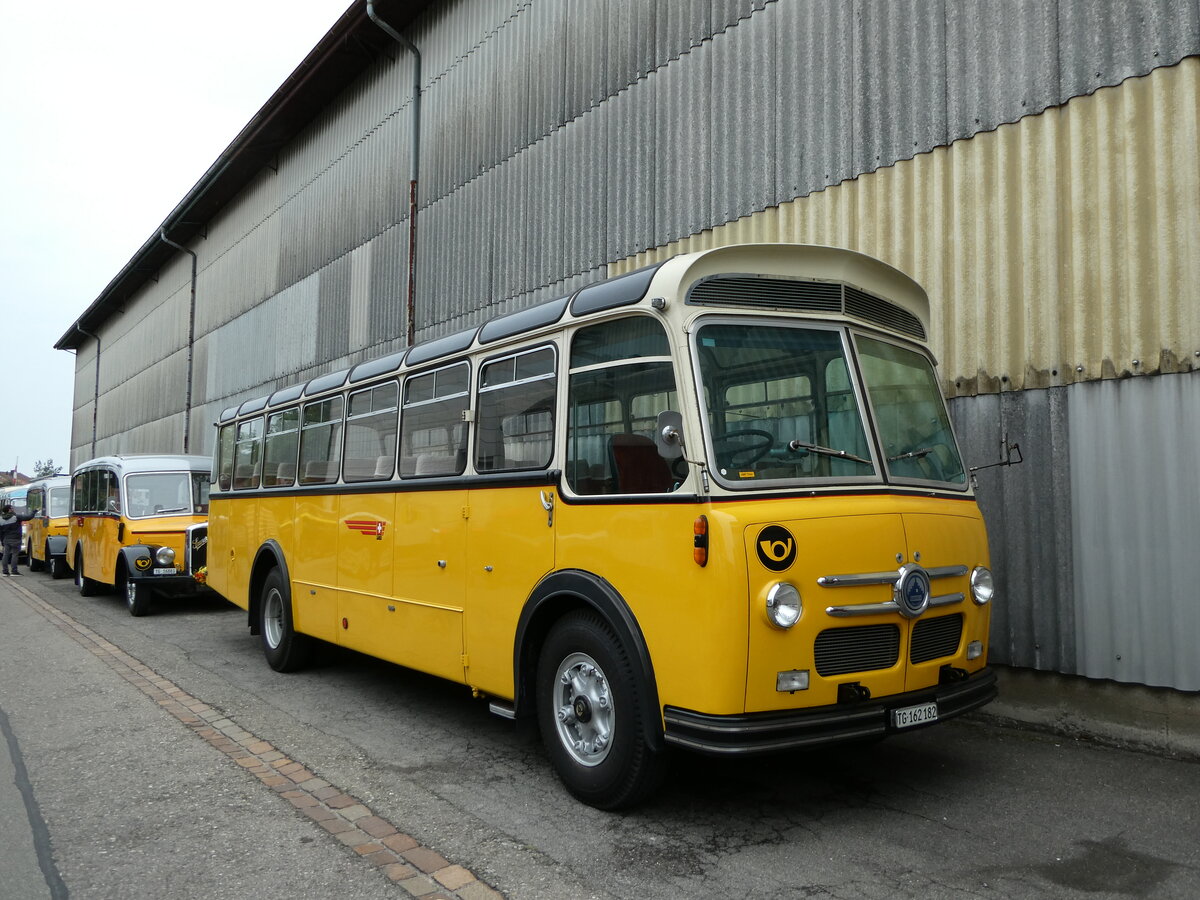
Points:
x=757, y=446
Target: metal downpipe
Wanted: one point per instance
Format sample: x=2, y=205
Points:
x=415, y=165
x=191, y=341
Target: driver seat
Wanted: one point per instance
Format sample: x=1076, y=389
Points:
x=637, y=468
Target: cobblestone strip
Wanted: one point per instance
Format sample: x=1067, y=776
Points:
x=417, y=870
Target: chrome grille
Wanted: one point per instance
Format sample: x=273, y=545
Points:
x=756, y=292
x=862, y=648
x=933, y=638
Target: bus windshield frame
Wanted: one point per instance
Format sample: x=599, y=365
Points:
x=788, y=402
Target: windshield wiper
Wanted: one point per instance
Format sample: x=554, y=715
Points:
x=911, y=454
x=826, y=451
x=159, y=512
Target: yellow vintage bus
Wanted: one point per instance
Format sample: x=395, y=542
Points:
x=46, y=533
x=140, y=524
x=713, y=504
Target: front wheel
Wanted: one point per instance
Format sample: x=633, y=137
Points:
x=285, y=649
x=56, y=565
x=592, y=716
x=137, y=597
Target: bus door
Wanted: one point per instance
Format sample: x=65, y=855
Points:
x=429, y=547
x=511, y=533
x=367, y=612
x=314, y=570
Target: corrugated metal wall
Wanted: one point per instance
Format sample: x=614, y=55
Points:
x=1032, y=163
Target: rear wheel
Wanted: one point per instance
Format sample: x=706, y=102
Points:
x=35, y=565
x=592, y=716
x=87, y=587
x=286, y=651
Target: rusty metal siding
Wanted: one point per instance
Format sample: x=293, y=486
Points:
x=1060, y=249
x=1028, y=510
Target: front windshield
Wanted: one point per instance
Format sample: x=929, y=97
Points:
x=60, y=502
x=781, y=405
x=910, y=413
x=167, y=494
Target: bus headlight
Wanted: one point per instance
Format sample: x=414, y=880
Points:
x=982, y=586
x=164, y=556
x=784, y=605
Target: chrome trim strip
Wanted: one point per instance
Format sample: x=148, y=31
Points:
x=865, y=609
x=885, y=577
x=889, y=606
x=947, y=572
x=856, y=580
x=947, y=599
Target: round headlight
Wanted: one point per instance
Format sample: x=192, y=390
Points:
x=784, y=605
x=164, y=556
x=983, y=589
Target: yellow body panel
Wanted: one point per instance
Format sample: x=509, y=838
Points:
x=101, y=537
x=437, y=580
x=854, y=535
x=510, y=548
x=693, y=618
x=43, y=527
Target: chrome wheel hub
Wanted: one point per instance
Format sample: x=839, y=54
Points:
x=584, y=716
x=273, y=618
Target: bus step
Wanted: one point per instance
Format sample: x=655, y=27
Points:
x=502, y=709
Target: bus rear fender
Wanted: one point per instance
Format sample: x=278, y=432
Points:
x=558, y=594
x=269, y=556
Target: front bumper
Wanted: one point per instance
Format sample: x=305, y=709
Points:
x=772, y=731
x=170, y=585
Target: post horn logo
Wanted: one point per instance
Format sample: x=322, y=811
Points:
x=776, y=548
x=142, y=562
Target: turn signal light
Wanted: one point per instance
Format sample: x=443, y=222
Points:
x=700, y=540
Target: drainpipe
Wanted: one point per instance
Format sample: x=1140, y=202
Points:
x=191, y=340
x=414, y=165
x=96, y=399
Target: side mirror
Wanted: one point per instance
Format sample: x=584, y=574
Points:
x=668, y=434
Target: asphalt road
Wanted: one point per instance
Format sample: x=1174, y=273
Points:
x=131, y=803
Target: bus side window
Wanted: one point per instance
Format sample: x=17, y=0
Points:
x=111, y=494
x=225, y=458
x=247, y=455
x=321, y=441
x=280, y=448
x=433, y=432
x=515, y=423
x=371, y=433
x=621, y=379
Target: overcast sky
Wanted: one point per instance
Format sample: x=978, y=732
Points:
x=109, y=113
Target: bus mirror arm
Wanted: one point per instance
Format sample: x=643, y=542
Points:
x=1010, y=455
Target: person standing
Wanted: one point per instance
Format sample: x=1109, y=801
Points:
x=10, y=537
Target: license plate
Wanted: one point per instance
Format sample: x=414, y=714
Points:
x=909, y=716
x=176, y=571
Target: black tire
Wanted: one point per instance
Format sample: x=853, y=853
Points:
x=56, y=566
x=591, y=715
x=87, y=587
x=137, y=596
x=35, y=565
x=286, y=651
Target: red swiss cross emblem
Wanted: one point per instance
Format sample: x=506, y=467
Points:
x=367, y=527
